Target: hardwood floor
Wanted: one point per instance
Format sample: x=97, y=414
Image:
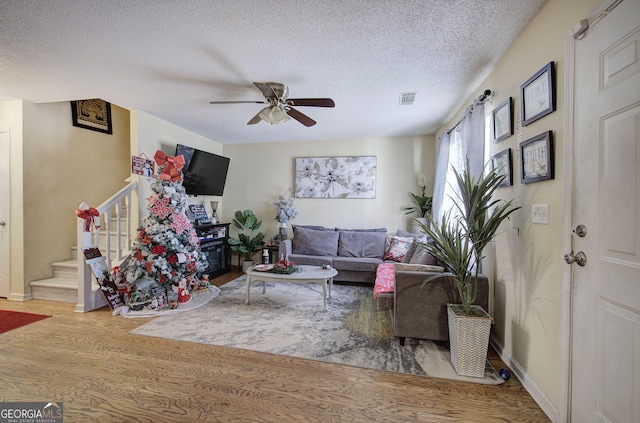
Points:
x=101, y=373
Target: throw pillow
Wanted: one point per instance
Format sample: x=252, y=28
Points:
x=315, y=243
x=398, y=247
x=421, y=256
x=406, y=234
x=410, y=252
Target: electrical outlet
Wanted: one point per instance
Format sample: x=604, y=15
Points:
x=540, y=214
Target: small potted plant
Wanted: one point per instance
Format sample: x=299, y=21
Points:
x=458, y=243
x=421, y=205
x=247, y=243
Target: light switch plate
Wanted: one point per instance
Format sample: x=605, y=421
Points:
x=540, y=214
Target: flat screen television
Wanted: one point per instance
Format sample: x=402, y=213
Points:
x=203, y=173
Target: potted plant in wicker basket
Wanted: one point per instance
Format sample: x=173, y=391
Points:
x=458, y=243
x=246, y=243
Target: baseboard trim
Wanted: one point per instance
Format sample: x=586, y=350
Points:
x=550, y=409
x=20, y=297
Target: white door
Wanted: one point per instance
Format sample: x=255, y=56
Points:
x=5, y=281
x=605, y=366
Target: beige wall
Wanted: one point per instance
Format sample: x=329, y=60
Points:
x=150, y=134
x=51, y=162
x=63, y=167
x=258, y=173
x=529, y=262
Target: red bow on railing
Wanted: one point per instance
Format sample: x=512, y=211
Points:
x=172, y=166
x=88, y=215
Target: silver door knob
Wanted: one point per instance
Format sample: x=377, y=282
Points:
x=580, y=258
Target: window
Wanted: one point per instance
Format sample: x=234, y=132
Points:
x=466, y=140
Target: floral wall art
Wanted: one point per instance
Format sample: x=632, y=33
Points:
x=336, y=177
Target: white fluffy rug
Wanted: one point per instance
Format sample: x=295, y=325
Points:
x=197, y=300
x=289, y=320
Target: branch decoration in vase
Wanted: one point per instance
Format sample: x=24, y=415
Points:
x=285, y=211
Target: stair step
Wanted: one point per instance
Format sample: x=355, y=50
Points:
x=55, y=289
x=67, y=269
x=63, y=286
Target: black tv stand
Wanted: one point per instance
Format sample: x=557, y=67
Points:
x=214, y=244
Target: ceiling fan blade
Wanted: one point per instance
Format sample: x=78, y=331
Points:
x=300, y=117
x=237, y=102
x=267, y=91
x=254, y=119
x=315, y=102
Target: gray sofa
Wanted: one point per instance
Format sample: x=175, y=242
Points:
x=417, y=312
x=354, y=253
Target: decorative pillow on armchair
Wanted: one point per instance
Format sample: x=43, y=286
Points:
x=417, y=254
x=397, y=249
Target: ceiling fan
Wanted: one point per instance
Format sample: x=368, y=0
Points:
x=280, y=105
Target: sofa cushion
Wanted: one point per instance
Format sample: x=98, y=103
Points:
x=314, y=227
x=307, y=260
x=397, y=249
x=315, y=243
x=361, y=244
x=358, y=264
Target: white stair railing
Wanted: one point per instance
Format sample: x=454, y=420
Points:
x=115, y=219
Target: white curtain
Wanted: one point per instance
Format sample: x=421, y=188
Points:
x=466, y=139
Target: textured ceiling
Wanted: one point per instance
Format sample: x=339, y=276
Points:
x=170, y=58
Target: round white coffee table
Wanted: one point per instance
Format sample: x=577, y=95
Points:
x=306, y=274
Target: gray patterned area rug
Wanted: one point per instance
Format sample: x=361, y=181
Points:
x=288, y=319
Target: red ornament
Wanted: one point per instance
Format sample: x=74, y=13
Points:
x=183, y=295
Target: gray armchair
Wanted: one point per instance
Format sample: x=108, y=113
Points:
x=422, y=312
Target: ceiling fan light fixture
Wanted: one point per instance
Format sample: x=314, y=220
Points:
x=274, y=114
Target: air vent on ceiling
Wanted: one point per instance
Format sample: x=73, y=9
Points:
x=406, y=99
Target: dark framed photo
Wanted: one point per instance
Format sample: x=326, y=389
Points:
x=536, y=158
x=502, y=120
x=501, y=162
x=94, y=114
x=538, y=95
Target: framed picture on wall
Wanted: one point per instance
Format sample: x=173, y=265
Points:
x=502, y=120
x=538, y=95
x=536, y=158
x=94, y=114
x=336, y=177
x=501, y=162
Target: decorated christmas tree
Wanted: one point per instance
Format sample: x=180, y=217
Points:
x=166, y=251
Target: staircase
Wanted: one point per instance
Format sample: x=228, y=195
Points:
x=63, y=285
x=72, y=279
